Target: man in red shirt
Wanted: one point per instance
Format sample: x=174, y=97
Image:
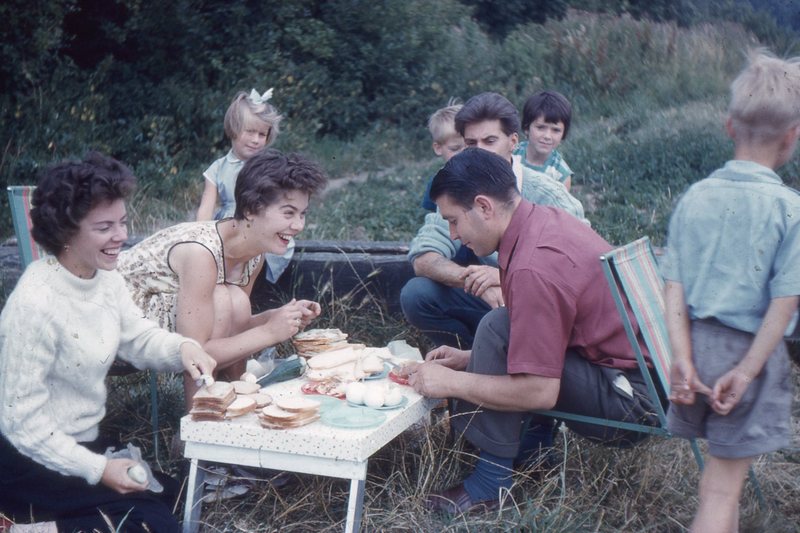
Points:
x=558, y=343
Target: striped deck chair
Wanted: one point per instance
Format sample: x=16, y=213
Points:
x=19, y=199
x=634, y=279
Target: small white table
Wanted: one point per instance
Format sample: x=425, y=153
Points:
x=312, y=449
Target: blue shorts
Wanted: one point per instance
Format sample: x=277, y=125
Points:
x=761, y=421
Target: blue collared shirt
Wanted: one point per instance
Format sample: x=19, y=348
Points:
x=734, y=245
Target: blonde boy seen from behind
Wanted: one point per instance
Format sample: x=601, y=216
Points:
x=728, y=306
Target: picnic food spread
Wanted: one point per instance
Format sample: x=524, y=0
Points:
x=332, y=367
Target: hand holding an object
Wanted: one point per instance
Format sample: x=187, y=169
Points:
x=116, y=477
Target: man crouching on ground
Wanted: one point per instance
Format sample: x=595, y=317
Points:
x=558, y=342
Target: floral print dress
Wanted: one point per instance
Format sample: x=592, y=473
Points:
x=153, y=284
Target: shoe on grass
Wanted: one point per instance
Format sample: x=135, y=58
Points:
x=225, y=492
x=456, y=500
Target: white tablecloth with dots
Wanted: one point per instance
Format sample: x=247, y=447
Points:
x=313, y=449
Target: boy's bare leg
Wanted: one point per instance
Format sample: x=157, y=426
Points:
x=720, y=489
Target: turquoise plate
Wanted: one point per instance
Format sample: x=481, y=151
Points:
x=347, y=417
x=326, y=402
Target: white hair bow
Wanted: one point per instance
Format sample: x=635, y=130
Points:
x=260, y=99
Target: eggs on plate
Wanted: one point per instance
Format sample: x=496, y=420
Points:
x=373, y=395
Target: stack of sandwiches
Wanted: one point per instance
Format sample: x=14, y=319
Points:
x=211, y=401
x=289, y=413
x=314, y=341
x=220, y=401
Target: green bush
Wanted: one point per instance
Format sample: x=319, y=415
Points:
x=149, y=82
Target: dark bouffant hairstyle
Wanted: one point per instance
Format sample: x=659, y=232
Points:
x=551, y=105
x=67, y=191
x=472, y=172
x=268, y=174
x=488, y=106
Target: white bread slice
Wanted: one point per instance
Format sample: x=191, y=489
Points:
x=215, y=397
x=240, y=406
x=245, y=387
x=333, y=358
x=262, y=399
x=288, y=424
x=217, y=391
x=371, y=364
x=207, y=416
x=272, y=411
x=321, y=334
x=296, y=404
x=298, y=419
x=345, y=372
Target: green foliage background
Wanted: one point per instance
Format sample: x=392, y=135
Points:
x=148, y=82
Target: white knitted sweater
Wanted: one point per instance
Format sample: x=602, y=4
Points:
x=59, y=335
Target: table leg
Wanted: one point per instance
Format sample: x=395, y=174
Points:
x=194, y=498
x=355, y=506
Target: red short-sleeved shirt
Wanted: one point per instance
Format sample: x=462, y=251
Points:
x=557, y=295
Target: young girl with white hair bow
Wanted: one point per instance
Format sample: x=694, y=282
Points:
x=252, y=124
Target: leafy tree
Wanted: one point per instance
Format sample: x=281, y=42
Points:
x=500, y=18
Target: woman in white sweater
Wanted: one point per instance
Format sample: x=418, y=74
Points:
x=66, y=321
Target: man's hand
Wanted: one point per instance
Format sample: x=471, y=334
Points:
x=685, y=383
x=115, y=477
x=494, y=297
x=479, y=278
x=728, y=391
x=449, y=357
x=432, y=380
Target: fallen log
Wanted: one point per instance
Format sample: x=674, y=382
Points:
x=352, y=269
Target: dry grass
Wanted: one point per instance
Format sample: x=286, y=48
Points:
x=589, y=487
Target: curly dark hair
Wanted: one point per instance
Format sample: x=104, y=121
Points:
x=67, y=191
x=268, y=174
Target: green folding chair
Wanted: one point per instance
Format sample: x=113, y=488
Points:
x=19, y=199
x=636, y=283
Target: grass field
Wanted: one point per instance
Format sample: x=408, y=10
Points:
x=620, y=178
x=650, y=101
x=586, y=487
x=651, y=487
